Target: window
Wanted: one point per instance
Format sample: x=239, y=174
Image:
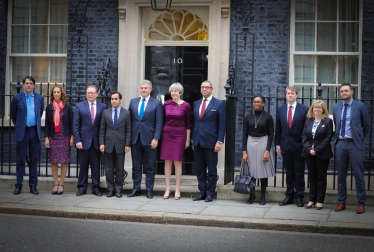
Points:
x=325, y=45
x=38, y=41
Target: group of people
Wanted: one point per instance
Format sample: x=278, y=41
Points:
x=304, y=135
x=96, y=129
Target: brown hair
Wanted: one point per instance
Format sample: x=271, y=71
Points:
x=320, y=103
x=63, y=95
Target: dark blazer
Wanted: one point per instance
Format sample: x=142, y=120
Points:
x=18, y=114
x=84, y=131
x=211, y=128
x=321, y=141
x=290, y=139
x=118, y=137
x=150, y=127
x=360, y=124
x=67, y=121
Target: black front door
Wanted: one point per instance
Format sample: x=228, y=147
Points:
x=187, y=65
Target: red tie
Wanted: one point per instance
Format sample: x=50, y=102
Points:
x=92, y=111
x=203, y=109
x=289, y=120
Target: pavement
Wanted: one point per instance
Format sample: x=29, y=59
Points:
x=233, y=213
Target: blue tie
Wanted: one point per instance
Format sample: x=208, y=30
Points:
x=115, y=120
x=342, y=132
x=141, y=111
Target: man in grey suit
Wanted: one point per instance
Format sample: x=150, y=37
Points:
x=114, y=139
x=351, y=120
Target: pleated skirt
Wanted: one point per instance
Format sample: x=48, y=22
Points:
x=256, y=147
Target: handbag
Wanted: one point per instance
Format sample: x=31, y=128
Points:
x=244, y=183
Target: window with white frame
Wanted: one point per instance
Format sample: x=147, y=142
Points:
x=38, y=33
x=325, y=45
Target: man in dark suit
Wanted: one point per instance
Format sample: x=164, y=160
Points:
x=86, y=125
x=351, y=120
x=26, y=111
x=146, y=127
x=209, y=117
x=114, y=139
x=290, y=121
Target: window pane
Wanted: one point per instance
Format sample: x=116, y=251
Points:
x=305, y=10
x=348, y=37
x=348, y=69
x=57, y=40
x=330, y=95
x=326, y=37
x=326, y=66
x=20, y=13
x=58, y=70
x=326, y=10
x=348, y=10
x=20, y=68
x=305, y=95
x=39, y=12
x=304, y=69
x=39, y=69
x=59, y=12
x=38, y=39
x=304, y=37
x=20, y=39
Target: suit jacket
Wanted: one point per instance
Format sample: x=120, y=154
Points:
x=360, y=124
x=290, y=139
x=322, y=139
x=115, y=138
x=150, y=127
x=84, y=130
x=67, y=121
x=18, y=114
x=211, y=128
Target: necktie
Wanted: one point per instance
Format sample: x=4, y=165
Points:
x=342, y=132
x=28, y=120
x=289, y=119
x=115, y=120
x=203, y=107
x=92, y=112
x=141, y=111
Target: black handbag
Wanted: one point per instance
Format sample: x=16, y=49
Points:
x=244, y=183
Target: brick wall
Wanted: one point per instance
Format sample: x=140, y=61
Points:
x=367, y=75
x=3, y=43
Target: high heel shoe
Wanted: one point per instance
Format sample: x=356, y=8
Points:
x=54, y=191
x=166, y=196
x=251, y=199
x=310, y=206
x=262, y=200
x=58, y=190
x=319, y=207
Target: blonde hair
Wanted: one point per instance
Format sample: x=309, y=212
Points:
x=292, y=88
x=320, y=103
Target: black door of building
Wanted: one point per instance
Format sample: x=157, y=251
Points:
x=187, y=65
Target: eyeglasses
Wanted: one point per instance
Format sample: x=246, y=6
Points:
x=257, y=102
x=90, y=93
x=205, y=87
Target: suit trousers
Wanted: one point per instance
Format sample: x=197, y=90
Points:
x=347, y=151
x=90, y=157
x=114, y=163
x=31, y=142
x=294, y=165
x=143, y=156
x=317, y=175
x=206, y=158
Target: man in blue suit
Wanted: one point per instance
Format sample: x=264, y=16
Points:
x=86, y=128
x=26, y=111
x=146, y=127
x=290, y=120
x=209, y=116
x=351, y=120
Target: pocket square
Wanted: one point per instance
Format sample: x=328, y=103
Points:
x=323, y=126
x=213, y=110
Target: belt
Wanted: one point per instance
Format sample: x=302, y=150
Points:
x=346, y=139
x=31, y=126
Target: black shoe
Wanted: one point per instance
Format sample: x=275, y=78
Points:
x=149, y=194
x=96, y=192
x=208, y=199
x=299, y=202
x=60, y=192
x=286, y=201
x=17, y=190
x=54, y=191
x=34, y=191
x=110, y=194
x=262, y=200
x=81, y=192
x=200, y=197
x=251, y=199
x=118, y=195
x=134, y=193
x=310, y=206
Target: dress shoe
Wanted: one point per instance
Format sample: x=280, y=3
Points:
x=110, y=194
x=118, y=195
x=149, y=194
x=81, y=192
x=33, y=190
x=166, y=196
x=59, y=192
x=200, y=197
x=17, y=190
x=262, y=200
x=134, y=193
x=54, y=191
x=339, y=207
x=319, y=207
x=208, y=199
x=308, y=206
x=286, y=201
x=96, y=192
x=360, y=209
x=299, y=202
x=251, y=199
